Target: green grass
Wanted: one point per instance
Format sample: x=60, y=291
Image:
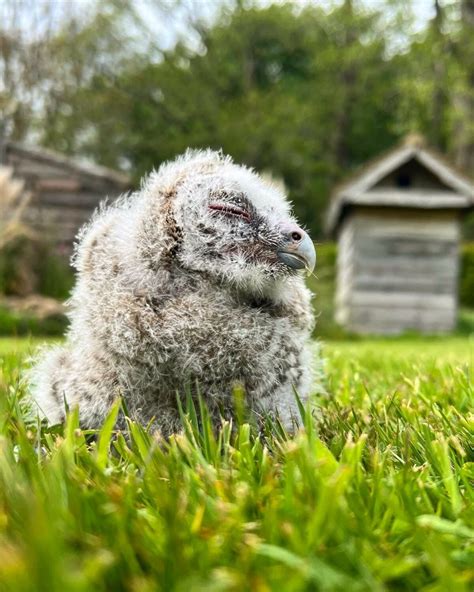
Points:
x=375, y=494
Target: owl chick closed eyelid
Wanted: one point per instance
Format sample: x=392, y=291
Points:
x=205, y=271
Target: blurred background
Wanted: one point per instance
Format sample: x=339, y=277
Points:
x=94, y=94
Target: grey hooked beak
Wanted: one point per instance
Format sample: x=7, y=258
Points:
x=297, y=251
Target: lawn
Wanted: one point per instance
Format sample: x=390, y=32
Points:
x=375, y=494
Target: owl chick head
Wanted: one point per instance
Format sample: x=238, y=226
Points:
x=223, y=219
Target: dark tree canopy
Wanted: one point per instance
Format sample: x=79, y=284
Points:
x=304, y=93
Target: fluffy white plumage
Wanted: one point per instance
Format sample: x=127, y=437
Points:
x=180, y=286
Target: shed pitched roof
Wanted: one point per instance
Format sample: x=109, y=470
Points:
x=360, y=188
x=86, y=168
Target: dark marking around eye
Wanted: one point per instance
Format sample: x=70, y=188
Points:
x=230, y=210
x=232, y=203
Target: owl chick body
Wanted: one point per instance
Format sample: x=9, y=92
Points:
x=187, y=285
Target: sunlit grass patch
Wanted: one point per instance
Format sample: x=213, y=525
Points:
x=375, y=494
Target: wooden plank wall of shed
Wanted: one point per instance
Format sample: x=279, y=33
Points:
x=63, y=198
x=344, y=272
x=398, y=270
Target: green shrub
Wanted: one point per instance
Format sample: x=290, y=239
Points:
x=14, y=324
x=466, y=280
x=323, y=284
x=16, y=262
x=56, y=278
x=28, y=266
x=466, y=321
x=326, y=256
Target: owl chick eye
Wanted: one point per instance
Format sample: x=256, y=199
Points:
x=230, y=210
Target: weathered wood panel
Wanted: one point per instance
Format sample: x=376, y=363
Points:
x=412, y=199
x=405, y=246
x=28, y=169
x=64, y=193
x=413, y=301
x=55, y=184
x=383, y=268
x=397, y=271
x=69, y=200
x=345, y=273
x=33, y=172
x=403, y=317
x=385, y=222
x=396, y=284
x=380, y=320
x=55, y=214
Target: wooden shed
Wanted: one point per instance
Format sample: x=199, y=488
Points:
x=63, y=192
x=397, y=224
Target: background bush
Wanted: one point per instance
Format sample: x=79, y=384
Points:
x=323, y=285
x=32, y=267
x=466, y=280
x=14, y=324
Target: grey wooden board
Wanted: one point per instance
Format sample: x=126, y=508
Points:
x=398, y=329
x=392, y=317
x=56, y=214
x=345, y=286
x=401, y=213
x=393, y=312
x=405, y=300
x=413, y=199
x=44, y=155
x=342, y=315
x=31, y=171
x=408, y=247
x=441, y=225
x=52, y=225
x=381, y=328
x=79, y=199
x=27, y=168
x=405, y=267
x=55, y=224
x=394, y=285
x=345, y=252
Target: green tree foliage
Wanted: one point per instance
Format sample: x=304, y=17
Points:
x=436, y=86
x=304, y=92
x=270, y=86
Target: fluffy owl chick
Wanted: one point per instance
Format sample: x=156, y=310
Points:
x=190, y=284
